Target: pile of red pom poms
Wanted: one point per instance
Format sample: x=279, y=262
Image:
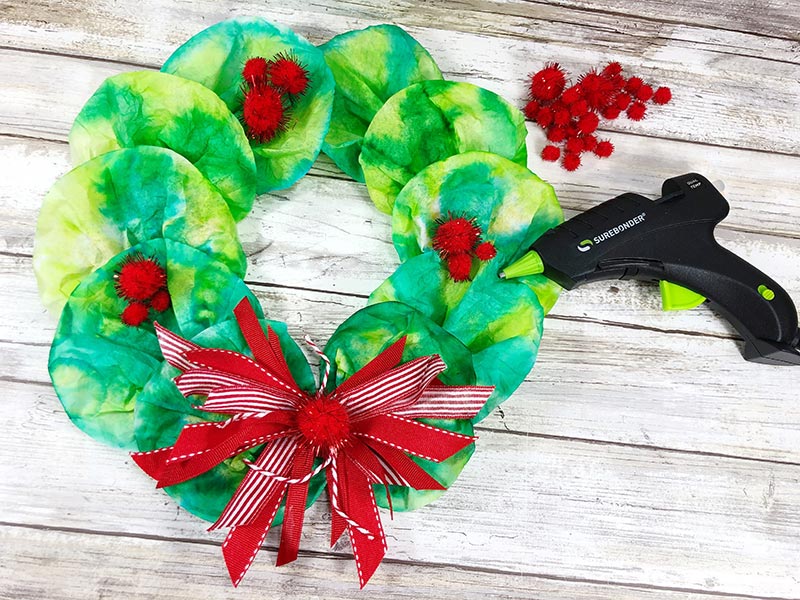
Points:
x=457, y=240
x=269, y=88
x=571, y=115
x=143, y=283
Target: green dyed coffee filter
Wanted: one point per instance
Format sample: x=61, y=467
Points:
x=147, y=108
x=431, y=121
x=99, y=365
x=215, y=58
x=501, y=324
x=123, y=198
x=370, y=66
x=162, y=412
x=373, y=329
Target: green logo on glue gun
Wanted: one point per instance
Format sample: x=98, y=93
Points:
x=585, y=245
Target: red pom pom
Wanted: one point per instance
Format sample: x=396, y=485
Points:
x=550, y=153
x=571, y=95
x=544, y=116
x=604, y=149
x=574, y=145
x=633, y=84
x=622, y=100
x=530, y=110
x=138, y=278
x=644, y=93
x=571, y=161
x=588, y=123
x=548, y=83
x=617, y=82
x=636, y=111
x=662, y=95
x=556, y=134
x=611, y=112
x=135, y=314
x=581, y=107
x=612, y=69
x=455, y=235
x=288, y=74
x=161, y=301
x=561, y=116
x=264, y=113
x=459, y=266
x=255, y=71
x=597, y=90
x=486, y=251
x=323, y=422
x=589, y=142
x=572, y=129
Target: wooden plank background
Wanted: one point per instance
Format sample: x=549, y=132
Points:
x=641, y=458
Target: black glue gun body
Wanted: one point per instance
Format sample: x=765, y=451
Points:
x=671, y=240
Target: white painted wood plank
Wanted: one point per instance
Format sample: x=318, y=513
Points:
x=591, y=381
x=74, y=566
x=523, y=504
x=779, y=18
x=721, y=96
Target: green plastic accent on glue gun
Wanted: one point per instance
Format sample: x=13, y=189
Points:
x=677, y=297
x=530, y=264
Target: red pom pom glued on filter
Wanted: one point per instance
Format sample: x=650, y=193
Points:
x=135, y=314
x=288, y=74
x=264, y=114
x=485, y=251
x=459, y=266
x=455, y=235
x=637, y=111
x=161, y=301
x=548, y=83
x=550, y=153
x=255, y=71
x=604, y=149
x=139, y=277
x=662, y=95
x=571, y=161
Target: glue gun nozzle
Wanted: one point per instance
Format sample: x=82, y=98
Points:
x=529, y=264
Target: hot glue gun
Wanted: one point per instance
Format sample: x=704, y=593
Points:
x=671, y=240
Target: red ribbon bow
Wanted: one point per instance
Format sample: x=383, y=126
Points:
x=360, y=433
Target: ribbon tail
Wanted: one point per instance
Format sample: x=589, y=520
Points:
x=244, y=541
x=367, y=539
x=295, y=509
x=154, y=462
x=338, y=524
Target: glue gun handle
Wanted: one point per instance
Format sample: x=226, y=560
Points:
x=761, y=310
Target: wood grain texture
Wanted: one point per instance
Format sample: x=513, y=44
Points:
x=54, y=564
x=572, y=509
x=719, y=83
x=640, y=459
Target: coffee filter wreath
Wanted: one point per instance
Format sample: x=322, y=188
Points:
x=162, y=347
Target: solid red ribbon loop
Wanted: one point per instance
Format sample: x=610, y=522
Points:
x=360, y=435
